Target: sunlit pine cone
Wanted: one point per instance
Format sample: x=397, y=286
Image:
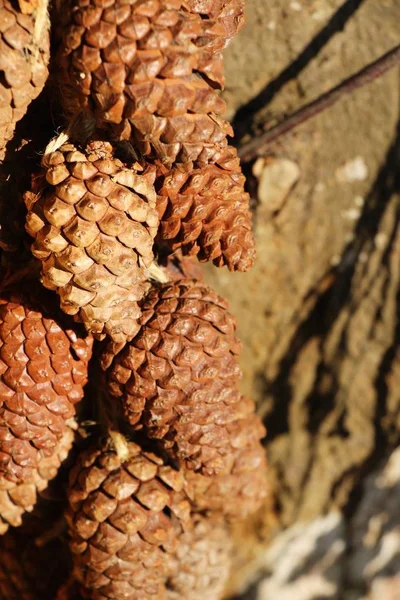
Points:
x=94, y=221
x=230, y=13
x=201, y=562
x=178, y=378
x=234, y=495
x=43, y=367
x=205, y=212
x=198, y=566
x=123, y=504
x=24, y=55
x=19, y=496
x=120, y=60
x=194, y=139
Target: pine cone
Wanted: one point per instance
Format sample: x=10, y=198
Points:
x=18, y=496
x=201, y=562
x=197, y=138
x=128, y=59
x=94, y=224
x=122, y=507
x=230, y=13
x=198, y=567
x=205, y=212
x=234, y=495
x=43, y=370
x=177, y=378
x=31, y=571
x=24, y=55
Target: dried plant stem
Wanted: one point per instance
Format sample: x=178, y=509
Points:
x=257, y=146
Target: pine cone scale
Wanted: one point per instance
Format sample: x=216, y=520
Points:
x=178, y=378
x=41, y=380
x=131, y=530
x=101, y=224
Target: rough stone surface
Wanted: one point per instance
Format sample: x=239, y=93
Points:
x=329, y=558
x=318, y=314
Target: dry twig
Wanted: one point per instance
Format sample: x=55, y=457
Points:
x=257, y=145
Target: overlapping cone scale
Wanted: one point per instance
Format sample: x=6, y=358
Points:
x=205, y=212
x=24, y=55
x=229, y=12
x=94, y=220
x=237, y=493
x=191, y=139
x=201, y=563
x=178, y=378
x=121, y=60
x=43, y=368
x=20, y=496
x=124, y=506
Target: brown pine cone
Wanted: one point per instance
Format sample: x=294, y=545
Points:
x=197, y=138
x=234, y=495
x=24, y=55
x=123, y=504
x=230, y=13
x=29, y=571
x=94, y=221
x=18, y=496
x=120, y=60
x=205, y=212
x=43, y=368
x=198, y=567
x=201, y=562
x=177, y=378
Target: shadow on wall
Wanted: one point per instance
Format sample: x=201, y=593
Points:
x=342, y=421
x=243, y=118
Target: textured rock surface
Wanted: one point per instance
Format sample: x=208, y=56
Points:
x=318, y=313
x=336, y=558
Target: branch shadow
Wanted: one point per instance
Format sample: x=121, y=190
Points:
x=243, y=118
x=322, y=400
x=331, y=303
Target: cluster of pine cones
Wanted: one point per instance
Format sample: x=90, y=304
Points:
x=126, y=447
